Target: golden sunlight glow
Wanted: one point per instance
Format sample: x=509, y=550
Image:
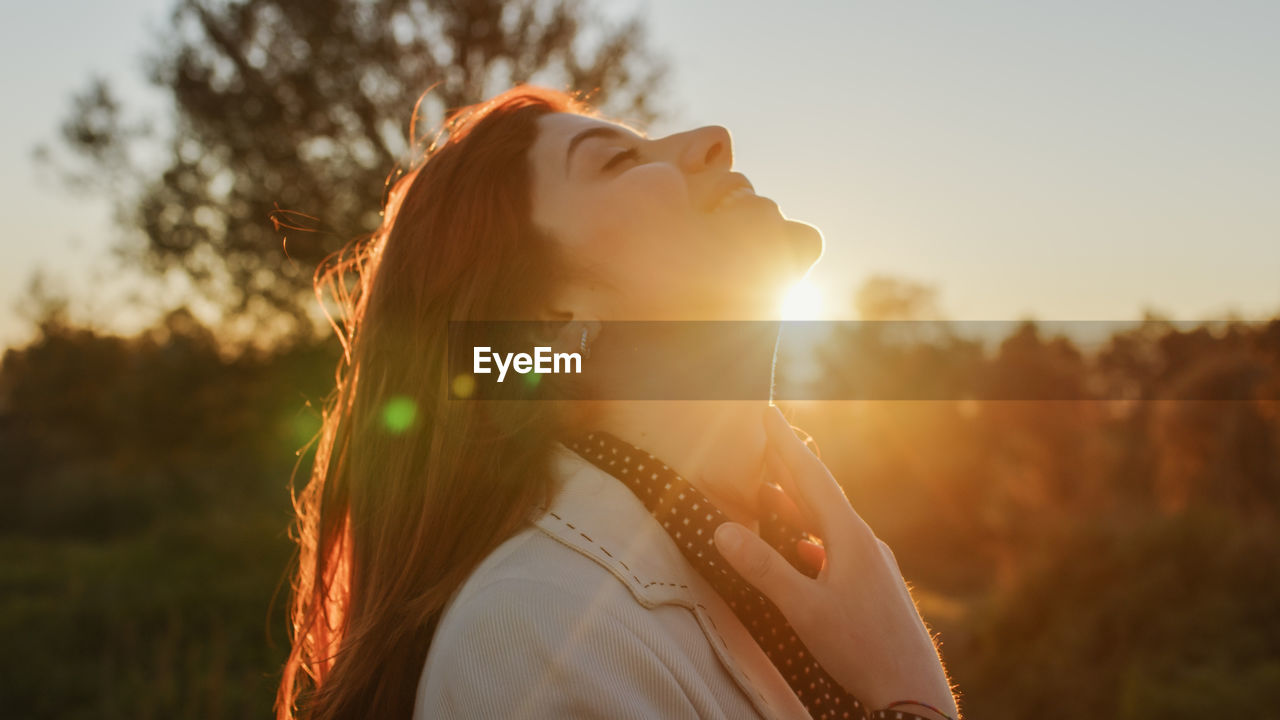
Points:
x=802, y=302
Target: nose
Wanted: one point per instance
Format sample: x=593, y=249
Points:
x=706, y=148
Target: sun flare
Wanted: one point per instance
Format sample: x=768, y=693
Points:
x=803, y=301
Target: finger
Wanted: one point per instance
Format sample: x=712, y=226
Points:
x=808, y=481
x=811, y=518
x=813, y=555
x=795, y=455
x=762, y=566
x=778, y=471
x=790, y=464
x=775, y=500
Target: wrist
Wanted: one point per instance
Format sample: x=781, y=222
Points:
x=947, y=711
x=923, y=681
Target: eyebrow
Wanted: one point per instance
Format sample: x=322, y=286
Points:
x=599, y=131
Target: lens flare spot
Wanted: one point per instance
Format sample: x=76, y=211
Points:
x=532, y=380
x=303, y=428
x=399, y=414
x=463, y=386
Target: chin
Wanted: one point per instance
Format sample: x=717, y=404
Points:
x=804, y=243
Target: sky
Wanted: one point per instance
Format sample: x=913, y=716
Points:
x=1058, y=160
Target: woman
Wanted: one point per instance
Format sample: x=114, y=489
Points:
x=525, y=559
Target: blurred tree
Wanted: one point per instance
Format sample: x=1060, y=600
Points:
x=1132, y=617
x=300, y=105
x=1214, y=436
x=884, y=297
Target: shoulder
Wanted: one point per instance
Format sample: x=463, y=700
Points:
x=534, y=573
x=541, y=630
x=539, y=594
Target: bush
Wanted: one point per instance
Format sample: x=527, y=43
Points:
x=1143, y=617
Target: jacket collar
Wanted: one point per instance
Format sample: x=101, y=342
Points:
x=597, y=515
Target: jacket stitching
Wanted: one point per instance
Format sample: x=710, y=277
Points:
x=706, y=613
x=643, y=585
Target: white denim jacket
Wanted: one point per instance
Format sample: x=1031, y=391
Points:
x=594, y=613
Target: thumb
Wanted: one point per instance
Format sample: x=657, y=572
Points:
x=760, y=564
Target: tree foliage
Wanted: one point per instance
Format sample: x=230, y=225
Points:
x=306, y=106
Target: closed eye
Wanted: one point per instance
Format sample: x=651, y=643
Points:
x=624, y=155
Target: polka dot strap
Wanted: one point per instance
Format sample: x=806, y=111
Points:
x=690, y=519
x=897, y=715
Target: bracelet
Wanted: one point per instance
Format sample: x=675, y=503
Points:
x=899, y=703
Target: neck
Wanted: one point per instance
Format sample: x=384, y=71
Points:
x=693, y=395
x=717, y=446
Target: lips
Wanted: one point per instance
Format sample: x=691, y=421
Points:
x=729, y=184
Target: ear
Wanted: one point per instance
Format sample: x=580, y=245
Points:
x=576, y=336
x=568, y=321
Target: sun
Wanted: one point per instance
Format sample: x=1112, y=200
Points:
x=803, y=301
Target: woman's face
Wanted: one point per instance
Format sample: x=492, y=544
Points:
x=661, y=229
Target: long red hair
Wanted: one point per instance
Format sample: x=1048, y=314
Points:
x=409, y=489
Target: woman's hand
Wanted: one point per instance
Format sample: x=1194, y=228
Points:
x=857, y=616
